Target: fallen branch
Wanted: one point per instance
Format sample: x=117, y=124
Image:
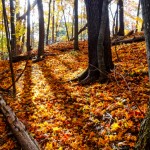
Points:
x=24, y=139
x=26, y=57
x=131, y=40
x=21, y=58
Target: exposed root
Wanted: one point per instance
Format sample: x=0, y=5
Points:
x=90, y=78
x=81, y=77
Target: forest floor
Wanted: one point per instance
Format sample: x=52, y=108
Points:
x=63, y=115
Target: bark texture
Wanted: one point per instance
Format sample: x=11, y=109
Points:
x=76, y=44
x=41, y=29
x=17, y=127
x=143, y=142
x=121, y=18
x=94, y=14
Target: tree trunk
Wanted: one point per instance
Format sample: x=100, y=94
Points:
x=49, y=15
x=121, y=18
x=65, y=21
x=117, y=13
x=25, y=140
x=8, y=46
x=76, y=43
x=53, y=23
x=41, y=29
x=28, y=27
x=13, y=32
x=94, y=12
x=100, y=45
x=143, y=142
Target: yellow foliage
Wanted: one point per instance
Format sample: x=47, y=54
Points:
x=114, y=127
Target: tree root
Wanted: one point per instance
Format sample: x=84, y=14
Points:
x=90, y=78
x=81, y=77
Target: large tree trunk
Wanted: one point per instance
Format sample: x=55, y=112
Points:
x=94, y=12
x=143, y=142
x=100, y=44
x=41, y=29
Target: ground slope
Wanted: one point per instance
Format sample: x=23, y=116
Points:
x=64, y=115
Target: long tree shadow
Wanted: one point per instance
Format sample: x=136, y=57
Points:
x=27, y=94
x=71, y=115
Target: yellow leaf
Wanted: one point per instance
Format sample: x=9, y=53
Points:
x=60, y=148
x=49, y=146
x=115, y=127
x=56, y=129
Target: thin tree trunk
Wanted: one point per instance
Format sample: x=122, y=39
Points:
x=53, y=23
x=28, y=28
x=121, y=18
x=48, y=25
x=65, y=21
x=2, y=38
x=13, y=33
x=76, y=44
x=116, y=27
x=113, y=26
x=8, y=46
x=138, y=12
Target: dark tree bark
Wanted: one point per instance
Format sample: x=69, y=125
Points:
x=53, y=23
x=94, y=14
x=49, y=15
x=41, y=29
x=8, y=46
x=104, y=56
x=76, y=44
x=121, y=18
x=28, y=28
x=13, y=32
x=143, y=142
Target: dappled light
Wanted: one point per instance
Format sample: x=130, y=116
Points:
x=62, y=115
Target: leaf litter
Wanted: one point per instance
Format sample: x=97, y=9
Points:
x=63, y=116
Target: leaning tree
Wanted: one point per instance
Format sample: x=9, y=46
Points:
x=97, y=50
